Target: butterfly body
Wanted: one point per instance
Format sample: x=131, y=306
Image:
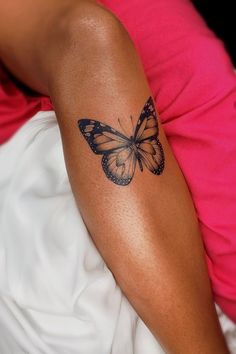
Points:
x=120, y=152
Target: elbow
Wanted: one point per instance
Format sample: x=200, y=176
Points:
x=89, y=27
x=85, y=34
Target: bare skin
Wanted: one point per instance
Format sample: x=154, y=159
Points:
x=147, y=231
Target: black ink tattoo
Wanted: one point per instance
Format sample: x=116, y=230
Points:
x=120, y=152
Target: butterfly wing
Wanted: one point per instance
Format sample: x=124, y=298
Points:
x=119, y=159
x=152, y=155
x=147, y=125
x=149, y=148
x=119, y=166
x=101, y=137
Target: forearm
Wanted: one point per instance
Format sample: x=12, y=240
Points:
x=146, y=231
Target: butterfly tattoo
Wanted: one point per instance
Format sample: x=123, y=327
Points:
x=121, y=153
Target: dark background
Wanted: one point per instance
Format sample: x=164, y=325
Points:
x=221, y=17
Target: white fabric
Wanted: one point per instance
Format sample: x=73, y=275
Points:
x=56, y=294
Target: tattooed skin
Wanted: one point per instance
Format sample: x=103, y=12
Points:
x=122, y=153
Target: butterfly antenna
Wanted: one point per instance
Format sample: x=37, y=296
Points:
x=122, y=127
x=132, y=122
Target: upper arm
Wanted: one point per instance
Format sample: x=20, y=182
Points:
x=26, y=29
x=23, y=27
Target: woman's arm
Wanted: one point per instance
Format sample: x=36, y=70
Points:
x=146, y=231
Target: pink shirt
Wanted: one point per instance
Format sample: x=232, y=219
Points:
x=16, y=105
